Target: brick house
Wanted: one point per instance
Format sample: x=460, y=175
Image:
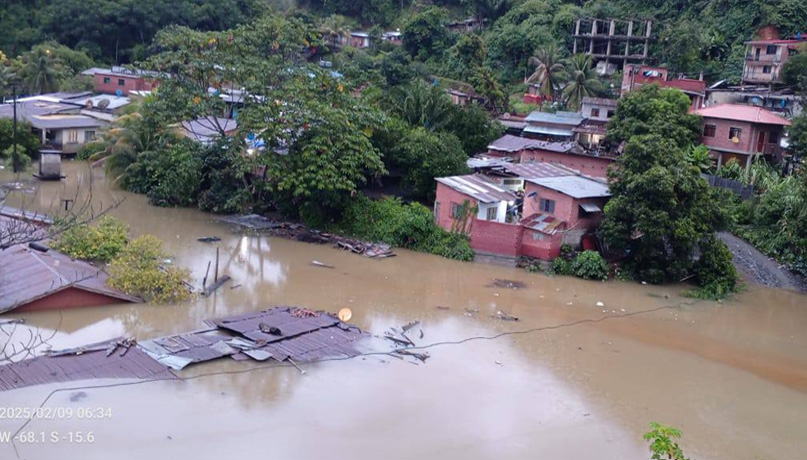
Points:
x=119, y=79
x=740, y=132
x=560, y=207
x=556, y=127
x=764, y=60
x=636, y=76
x=569, y=154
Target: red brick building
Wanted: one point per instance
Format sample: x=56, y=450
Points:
x=110, y=82
x=740, y=132
x=569, y=154
x=636, y=76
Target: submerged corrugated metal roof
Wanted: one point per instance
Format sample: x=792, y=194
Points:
x=477, y=187
x=574, y=186
x=27, y=275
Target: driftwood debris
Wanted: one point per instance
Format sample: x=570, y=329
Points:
x=471, y=312
x=208, y=239
x=507, y=284
x=213, y=287
x=504, y=316
x=317, y=263
x=420, y=356
x=299, y=232
x=410, y=325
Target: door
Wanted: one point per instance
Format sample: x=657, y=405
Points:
x=756, y=56
x=761, y=142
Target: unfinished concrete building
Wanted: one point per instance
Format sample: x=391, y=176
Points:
x=613, y=42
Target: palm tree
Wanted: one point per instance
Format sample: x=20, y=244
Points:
x=7, y=75
x=423, y=105
x=335, y=28
x=582, y=80
x=549, y=66
x=41, y=71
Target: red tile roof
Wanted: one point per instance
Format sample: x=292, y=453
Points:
x=745, y=113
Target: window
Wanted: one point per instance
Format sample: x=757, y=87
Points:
x=71, y=136
x=547, y=205
x=107, y=80
x=89, y=136
x=773, y=137
x=766, y=69
x=735, y=133
x=595, y=112
x=121, y=82
x=491, y=213
x=709, y=130
x=770, y=49
x=610, y=113
x=455, y=211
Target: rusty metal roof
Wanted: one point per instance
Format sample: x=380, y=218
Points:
x=509, y=143
x=544, y=223
x=93, y=364
x=27, y=275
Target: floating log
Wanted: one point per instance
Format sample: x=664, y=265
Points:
x=216, y=285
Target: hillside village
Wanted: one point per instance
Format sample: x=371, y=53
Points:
x=609, y=142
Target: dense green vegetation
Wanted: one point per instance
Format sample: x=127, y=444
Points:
x=662, y=213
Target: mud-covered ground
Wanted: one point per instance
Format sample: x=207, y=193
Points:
x=757, y=268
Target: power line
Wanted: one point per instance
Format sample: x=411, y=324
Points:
x=344, y=358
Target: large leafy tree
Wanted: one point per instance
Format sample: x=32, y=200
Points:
x=425, y=155
x=654, y=110
x=425, y=35
x=422, y=105
x=41, y=71
x=662, y=213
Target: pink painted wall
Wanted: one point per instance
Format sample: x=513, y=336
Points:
x=496, y=238
x=130, y=83
x=566, y=207
x=442, y=204
x=547, y=247
x=748, y=139
x=588, y=165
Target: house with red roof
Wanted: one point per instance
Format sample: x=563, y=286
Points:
x=740, y=132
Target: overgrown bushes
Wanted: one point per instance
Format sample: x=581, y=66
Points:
x=588, y=265
x=101, y=242
x=404, y=225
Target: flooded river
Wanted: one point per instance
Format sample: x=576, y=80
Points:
x=732, y=376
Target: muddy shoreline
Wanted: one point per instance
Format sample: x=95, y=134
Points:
x=757, y=268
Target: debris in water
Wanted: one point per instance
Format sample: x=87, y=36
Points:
x=410, y=325
x=499, y=363
x=440, y=307
x=300, y=312
x=508, y=284
x=600, y=304
x=420, y=356
x=569, y=303
x=504, y=316
x=209, y=239
x=77, y=396
x=317, y=263
x=469, y=312
x=235, y=286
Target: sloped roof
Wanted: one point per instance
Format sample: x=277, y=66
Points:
x=740, y=112
x=27, y=275
x=557, y=118
x=510, y=143
x=544, y=223
x=536, y=170
x=477, y=187
x=574, y=186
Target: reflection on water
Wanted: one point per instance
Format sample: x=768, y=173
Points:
x=733, y=376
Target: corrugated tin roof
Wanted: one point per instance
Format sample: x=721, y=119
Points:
x=90, y=364
x=574, y=186
x=548, y=131
x=510, y=143
x=27, y=275
x=557, y=118
x=477, y=187
x=544, y=223
x=590, y=207
x=535, y=170
x=738, y=112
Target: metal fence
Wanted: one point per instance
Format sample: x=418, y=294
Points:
x=743, y=191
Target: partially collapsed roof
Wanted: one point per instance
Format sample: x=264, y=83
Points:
x=27, y=275
x=543, y=222
x=477, y=187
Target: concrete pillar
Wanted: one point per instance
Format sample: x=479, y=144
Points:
x=748, y=162
x=44, y=136
x=611, y=28
x=577, y=27
x=719, y=160
x=574, y=48
x=630, y=33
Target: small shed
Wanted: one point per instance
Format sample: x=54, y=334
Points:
x=50, y=165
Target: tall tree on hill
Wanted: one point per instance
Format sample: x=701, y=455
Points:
x=489, y=10
x=583, y=80
x=549, y=67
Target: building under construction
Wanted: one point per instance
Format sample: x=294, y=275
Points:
x=613, y=42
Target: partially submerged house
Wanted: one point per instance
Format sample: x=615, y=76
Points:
x=60, y=125
x=741, y=132
x=527, y=209
x=38, y=279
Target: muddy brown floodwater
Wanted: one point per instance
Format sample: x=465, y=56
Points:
x=732, y=376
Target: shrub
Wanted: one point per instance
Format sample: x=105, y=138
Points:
x=561, y=266
x=89, y=149
x=714, y=272
x=101, y=242
x=590, y=265
x=137, y=271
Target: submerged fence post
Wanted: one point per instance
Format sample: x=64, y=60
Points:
x=216, y=274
